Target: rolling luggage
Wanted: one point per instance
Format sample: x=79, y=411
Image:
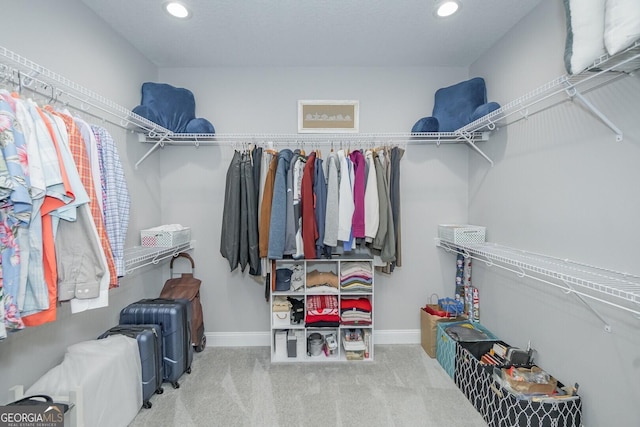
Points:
x=188, y=287
x=149, y=338
x=173, y=316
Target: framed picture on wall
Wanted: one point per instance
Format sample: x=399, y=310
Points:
x=327, y=116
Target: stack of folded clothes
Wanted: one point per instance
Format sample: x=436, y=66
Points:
x=281, y=305
x=356, y=276
x=322, y=281
x=355, y=311
x=322, y=311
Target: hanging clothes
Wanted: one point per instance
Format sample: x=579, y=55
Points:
x=278, y=220
x=309, y=225
x=333, y=200
x=290, y=218
x=394, y=191
x=243, y=256
x=91, y=149
x=79, y=152
x=116, y=198
x=371, y=202
x=298, y=167
x=28, y=236
x=253, y=252
x=345, y=203
x=230, y=235
x=320, y=197
x=383, y=244
x=45, y=158
x=76, y=256
x=14, y=212
x=61, y=195
x=359, y=183
x=265, y=207
x=309, y=207
x=50, y=246
x=256, y=162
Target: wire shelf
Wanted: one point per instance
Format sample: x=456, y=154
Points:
x=604, y=70
x=327, y=138
x=611, y=287
x=26, y=74
x=140, y=256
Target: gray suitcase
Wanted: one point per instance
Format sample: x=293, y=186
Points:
x=174, y=318
x=149, y=339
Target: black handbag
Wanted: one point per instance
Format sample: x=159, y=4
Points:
x=38, y=399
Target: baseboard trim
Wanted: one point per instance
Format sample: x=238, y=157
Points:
x=397, y=336
x=263, y=339
x=238, y=339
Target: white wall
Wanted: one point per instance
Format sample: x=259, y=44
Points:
x=562, y=186
x=67, y=38
x=244, y=100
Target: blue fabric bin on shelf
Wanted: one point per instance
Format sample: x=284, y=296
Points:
x=446, y=344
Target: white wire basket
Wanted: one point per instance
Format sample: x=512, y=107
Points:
x=461, y=233
x=153, y=238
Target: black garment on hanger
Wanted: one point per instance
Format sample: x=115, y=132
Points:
x=244, y=214
x=230, y=235
x=394, y=197
x=253, y=250
x=256, y=157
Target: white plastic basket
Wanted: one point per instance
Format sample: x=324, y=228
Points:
x=457, y=233
x=164, y=239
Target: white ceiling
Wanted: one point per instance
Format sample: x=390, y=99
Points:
x=311, y=32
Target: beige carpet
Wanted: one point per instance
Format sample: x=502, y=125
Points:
x=240, y=387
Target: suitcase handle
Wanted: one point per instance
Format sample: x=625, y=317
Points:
x=182, y=255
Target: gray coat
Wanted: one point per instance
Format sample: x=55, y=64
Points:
x=277, y=226
x=331, y=212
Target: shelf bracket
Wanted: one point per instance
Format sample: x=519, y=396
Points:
x=571, y=290
x=469, y=140
x=160, y=143
x=573, y=93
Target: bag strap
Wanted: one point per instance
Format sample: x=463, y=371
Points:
x=30, y=400
x=431, y=299
x=183, y=255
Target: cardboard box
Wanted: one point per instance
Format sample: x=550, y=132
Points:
x=428, y=330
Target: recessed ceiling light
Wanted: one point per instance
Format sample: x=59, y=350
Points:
x=177, y=9
x=447, y=8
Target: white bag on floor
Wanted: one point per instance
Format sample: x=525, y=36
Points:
x=109, y=373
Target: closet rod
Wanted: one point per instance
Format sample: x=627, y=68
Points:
x=31, y=73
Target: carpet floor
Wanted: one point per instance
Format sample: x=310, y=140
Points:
x=239, y=386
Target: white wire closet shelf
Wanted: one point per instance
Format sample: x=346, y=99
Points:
x=618, y=289
x=313, y=140
x=273, y=139
x=141, y=256
x=323, y=138
x=26, y=74
x=604, y=70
